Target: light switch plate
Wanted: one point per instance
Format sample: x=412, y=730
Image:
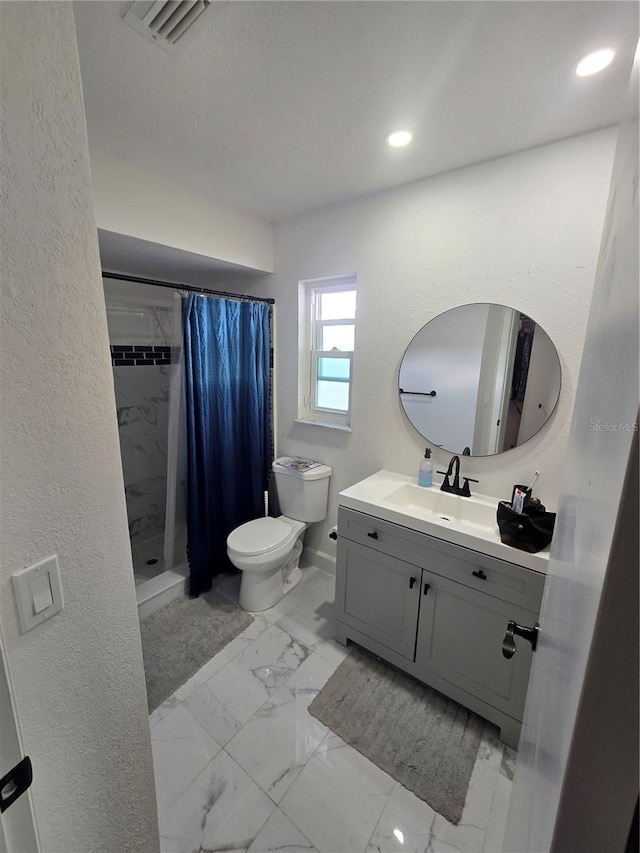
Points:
x=40, y=589
x=38, y=593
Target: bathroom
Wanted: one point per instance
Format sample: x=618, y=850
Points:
x=376, y=237
x=523, y=229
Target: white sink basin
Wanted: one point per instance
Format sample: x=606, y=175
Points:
x=473, y=511
x=470, y=522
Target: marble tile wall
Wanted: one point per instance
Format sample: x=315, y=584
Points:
x=141, y=331
x=142, y=403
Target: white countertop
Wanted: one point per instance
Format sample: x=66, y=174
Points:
x=371, y=496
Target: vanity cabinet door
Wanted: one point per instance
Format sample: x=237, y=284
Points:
x=378, y=595
x=460, y=640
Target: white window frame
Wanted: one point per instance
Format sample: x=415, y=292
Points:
x=309, y=334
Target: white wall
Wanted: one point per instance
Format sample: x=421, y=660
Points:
x=140, y=204
x=522, y=230
x=78, y=679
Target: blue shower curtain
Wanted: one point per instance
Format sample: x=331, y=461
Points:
x=228, y=425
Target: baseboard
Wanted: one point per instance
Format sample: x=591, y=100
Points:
x=313, y=557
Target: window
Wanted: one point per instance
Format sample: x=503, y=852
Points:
x=327, y=338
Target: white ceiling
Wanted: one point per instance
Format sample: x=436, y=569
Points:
x=280, y=107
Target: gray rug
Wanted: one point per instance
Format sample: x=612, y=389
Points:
x=423, y=740
x=178, y=640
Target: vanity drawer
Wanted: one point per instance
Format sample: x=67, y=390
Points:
x=384, y=536
x=490, y=575
x=506, y=581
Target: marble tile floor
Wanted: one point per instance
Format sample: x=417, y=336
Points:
x=241, y=765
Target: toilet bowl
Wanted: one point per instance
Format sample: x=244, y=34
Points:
x=267, y=550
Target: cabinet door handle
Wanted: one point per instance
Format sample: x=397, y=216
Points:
x=426, y=589
x=529, y=634
x=412, y=583
x=373, y=535
x=479, y=574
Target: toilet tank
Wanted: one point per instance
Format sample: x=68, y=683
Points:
x=303, y=488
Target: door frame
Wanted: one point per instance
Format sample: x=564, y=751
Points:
x=18, y=830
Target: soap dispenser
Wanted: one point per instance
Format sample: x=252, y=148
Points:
x=425, y=471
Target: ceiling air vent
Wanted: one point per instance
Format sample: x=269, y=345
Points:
x=171, y=24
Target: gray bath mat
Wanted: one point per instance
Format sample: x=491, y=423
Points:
x=425, y=741
x=178, y=640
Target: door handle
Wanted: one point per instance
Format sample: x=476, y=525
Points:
x=373, y=535
x=479, y=574
x=426, y=589
x=529, y=634
x=412, y=583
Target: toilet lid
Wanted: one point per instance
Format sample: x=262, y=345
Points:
x=259, y=536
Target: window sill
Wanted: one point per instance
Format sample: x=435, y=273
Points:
x=324, y=424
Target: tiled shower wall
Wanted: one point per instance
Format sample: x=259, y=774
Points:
x=142, y=402
x=141, y=322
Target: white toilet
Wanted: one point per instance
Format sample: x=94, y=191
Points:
x=268, y=550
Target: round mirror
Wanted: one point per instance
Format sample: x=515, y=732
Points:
x=480, y=379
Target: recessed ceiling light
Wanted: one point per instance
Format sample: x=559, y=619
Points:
x=594, y=62
x=399, y=138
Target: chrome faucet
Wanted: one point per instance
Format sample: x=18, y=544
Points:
x=455, y=488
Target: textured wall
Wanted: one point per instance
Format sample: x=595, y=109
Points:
x=78, y=679
x=131, y=201
x=522, y=230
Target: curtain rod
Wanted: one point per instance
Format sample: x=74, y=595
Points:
x=190, y=287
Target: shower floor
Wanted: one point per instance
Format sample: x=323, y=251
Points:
x=148, y=559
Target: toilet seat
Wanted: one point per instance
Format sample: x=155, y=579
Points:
x=261, y=536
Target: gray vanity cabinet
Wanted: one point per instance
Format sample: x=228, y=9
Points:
x=460, y=642
x=390, y=618
x=438, y=611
